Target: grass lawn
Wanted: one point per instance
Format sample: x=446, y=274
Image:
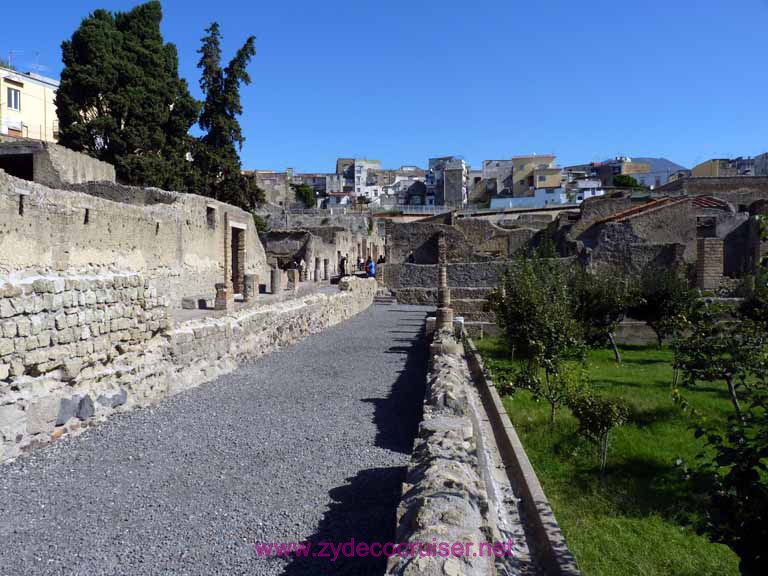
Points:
x=637, y=519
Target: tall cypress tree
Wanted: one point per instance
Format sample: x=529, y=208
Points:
x=217, y=157
x=121, y=99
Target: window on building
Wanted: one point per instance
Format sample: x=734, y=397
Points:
x=14, y=99
x=542, y=178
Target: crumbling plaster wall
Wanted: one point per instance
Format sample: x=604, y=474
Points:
x=323, y=243
x=488, y=238
x=107, y=227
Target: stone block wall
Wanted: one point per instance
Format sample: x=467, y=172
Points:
x=470, y=283
x=77, y=350
x=60, y=339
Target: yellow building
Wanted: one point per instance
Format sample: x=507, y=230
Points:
x=523, y=172
x=547, y=178
x=725, y=168
x=708, y=169
x=27, y=105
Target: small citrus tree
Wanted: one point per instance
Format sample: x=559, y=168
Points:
x=663, y=300
x=597, y=416
x=731, y=472
x=600, y=301
x=534, y=309
x=717, y=348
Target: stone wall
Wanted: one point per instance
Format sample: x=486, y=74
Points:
x=666, y=237
x=76, y=350
x=468, y=240
x=490, y=239
x=357, y=223
x=470, y=283
x=54, y=165
x=61, y=341
x=176, y=240
x=445, y=497
x=417, y=243
x=739, y=191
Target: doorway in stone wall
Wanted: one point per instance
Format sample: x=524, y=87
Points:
x=238, y=259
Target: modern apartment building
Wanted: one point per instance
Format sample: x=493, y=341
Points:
x=524, y=172
x=448, y=181
x=27, y=105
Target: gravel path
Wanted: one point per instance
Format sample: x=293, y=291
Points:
x=308, y=443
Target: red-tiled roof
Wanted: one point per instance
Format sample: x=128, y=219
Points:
x=710, y=202
x=662, y=203
x=635, y=210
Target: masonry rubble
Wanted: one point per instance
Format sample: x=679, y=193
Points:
x=445, y=497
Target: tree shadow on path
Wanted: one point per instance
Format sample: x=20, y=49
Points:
x=365, y=507
x=364, y=510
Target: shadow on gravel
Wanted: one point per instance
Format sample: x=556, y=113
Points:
x=398, y=415
x=363, y=509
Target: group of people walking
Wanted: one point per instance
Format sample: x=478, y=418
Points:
x=368, y=266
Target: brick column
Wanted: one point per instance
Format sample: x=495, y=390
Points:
x=225, y=295
x=444, y=310
x=709, y=263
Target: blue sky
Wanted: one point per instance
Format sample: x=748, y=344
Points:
x=401, y=81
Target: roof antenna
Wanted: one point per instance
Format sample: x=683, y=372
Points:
x=11, y=53
x=37, y=67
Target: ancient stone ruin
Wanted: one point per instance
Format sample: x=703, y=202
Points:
x=115, y=296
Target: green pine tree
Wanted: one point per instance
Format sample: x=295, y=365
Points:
x=121, y=98
x=217, y=155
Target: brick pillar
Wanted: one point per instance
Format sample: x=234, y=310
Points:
x=225, y=295
x=240, y=272
x=444, y=310
x=709, y=263
x=294, y=279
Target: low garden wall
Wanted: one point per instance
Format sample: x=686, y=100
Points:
x=453, y=492
x=469, y=480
